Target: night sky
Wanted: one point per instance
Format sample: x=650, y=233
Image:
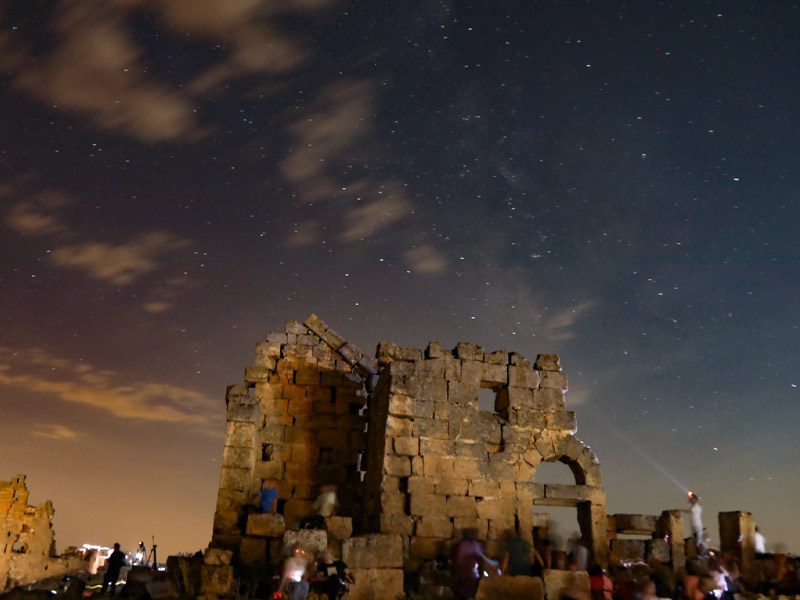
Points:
x=614, y=182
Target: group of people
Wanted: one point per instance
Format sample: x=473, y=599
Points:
x=329, y=575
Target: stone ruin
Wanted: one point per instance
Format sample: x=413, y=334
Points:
x=27, y=541
x=416, y=461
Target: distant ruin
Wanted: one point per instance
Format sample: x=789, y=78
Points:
x=415, y=459
x=27, y=539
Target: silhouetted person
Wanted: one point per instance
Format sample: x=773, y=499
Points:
x=114, y=565
x=467, y=555
x=760, y=542
x=696, y=516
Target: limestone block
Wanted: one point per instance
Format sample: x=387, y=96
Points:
x=658, y=549
x=397, y=524
x=635, y=524
x=242, y=457
x=463, y=394
x=295, y=327
x=277, y=337
x=562, y=420
x=240, y=434
x=376, y=584
x=624, y=550
x=499, y=509
x=548, y=400
x=270, y=433
x=424, y=407
x=424, y=504
x=500, y=467
x=217, y=556
x=452, y=368
x=269, y=470
x=511, y=588
x=244, y=408
x=516, y=438
x=461, y=506
x=253, y=551
x=434, y=350
x=553, y=379
x=431, y=428
x=226, y=520
x=267, y=353
x=435, y=446
x=533, y=419
x=500, y=357
x=417, y=465
x=439, y=467
x=401, y=405
x=399, y=427
x=235, y=478
x=524, y=471
x=216, y=579
x=433, y=390
x=555, y=581
x=523, y=377
x=434, y=527
x=468, y=351
x=265, y=525
x=452, y=487
x=520, y=397
x=298, y=471
x=406, y=446
x=339, y=528
x=477, y=450
x=374, y=551
x=403, y=378
x=313, y=541
x=483, y=487
x=496, y=374
x=471, y=372
x=468, y=468
x=480, y=525
x=421, y=485
x=397, y=466
x=547, y=362
x=427, y=548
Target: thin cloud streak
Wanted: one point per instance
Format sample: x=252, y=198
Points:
x=82, y=384
x=122, y=264
x=54, y=431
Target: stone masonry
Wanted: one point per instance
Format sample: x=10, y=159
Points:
x=27, y=544
x=415, y=459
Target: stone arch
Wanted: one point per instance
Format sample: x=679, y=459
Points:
x=586, y=495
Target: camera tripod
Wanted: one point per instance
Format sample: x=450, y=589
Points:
x=152, y=555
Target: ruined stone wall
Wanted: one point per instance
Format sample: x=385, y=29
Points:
x=437, y=464
x=298, y=423
x=430, y=463
x=27, y=541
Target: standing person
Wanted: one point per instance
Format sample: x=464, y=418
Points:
x=696, y=516
x=467, y=554
x=760, y=542
x=114, y=565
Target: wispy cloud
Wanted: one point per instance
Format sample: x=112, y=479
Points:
x=54, y=431
x=100, y=389
x=94, y=66
x=35, y=215
x=121, y=264
x=426, y=260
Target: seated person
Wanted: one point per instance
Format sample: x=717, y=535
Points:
x=332, y=575
x=326, y=505
x=267, y=497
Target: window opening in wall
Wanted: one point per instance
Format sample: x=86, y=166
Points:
x=266, y=452
x=493, y=397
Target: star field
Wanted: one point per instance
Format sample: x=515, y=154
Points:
x=614, y=184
